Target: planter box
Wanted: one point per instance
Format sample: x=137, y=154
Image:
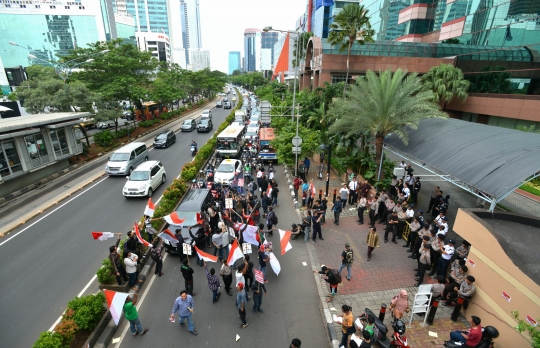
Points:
x=94, y=336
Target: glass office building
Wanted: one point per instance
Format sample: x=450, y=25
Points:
x=234, y=61
x=268, y=39
x=150, y=15
x=251, y=49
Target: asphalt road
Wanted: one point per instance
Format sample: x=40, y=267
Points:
x=52, y=258
x=291, y=308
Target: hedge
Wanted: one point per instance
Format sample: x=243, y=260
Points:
x=528, y=187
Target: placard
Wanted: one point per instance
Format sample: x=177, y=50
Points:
x=228, y=203
x=471, y=262
x=506, y=296
x=187, y=249
x=246, y=248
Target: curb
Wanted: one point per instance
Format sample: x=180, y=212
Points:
x=325, y=313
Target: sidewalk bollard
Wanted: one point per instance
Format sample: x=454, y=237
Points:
x=334, y=199
x=432, y=311
x=382, y=312
x=320, y=194
x=457, y=309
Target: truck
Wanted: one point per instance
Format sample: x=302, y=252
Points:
x=86, y=123
x=265, y=113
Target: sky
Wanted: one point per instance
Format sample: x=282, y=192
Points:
x=223, y=23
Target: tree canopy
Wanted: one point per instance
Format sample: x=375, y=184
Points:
x=447, y=82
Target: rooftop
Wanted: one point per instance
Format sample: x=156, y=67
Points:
x=22, y=122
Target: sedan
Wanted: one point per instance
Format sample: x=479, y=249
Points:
x=105, y=124
x=205, y=125
x=226, y=171
x=164, y=139
x=219, y=104
x=189, y=125
x=253, y=127
x=250, y=134
x=226, y=105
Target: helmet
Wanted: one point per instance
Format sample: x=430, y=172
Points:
x=490, y=332
x=399, y=327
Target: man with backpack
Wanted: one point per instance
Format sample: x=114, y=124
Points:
x=337, y=209
x=346, y=260
x=271, y=220
x=333, y=278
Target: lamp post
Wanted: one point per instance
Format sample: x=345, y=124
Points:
x=62, y=69
x=267, y=29
x=323, y=147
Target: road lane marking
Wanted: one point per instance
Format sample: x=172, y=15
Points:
x=43, y=217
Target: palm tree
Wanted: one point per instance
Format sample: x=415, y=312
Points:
x=350, y=25
x=447, y=82
x=383, y=104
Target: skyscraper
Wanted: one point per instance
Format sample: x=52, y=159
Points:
x=251, y=49
x=234, y=61
x=150, y=15
x=268, y=39
x=200, y=59
x=186, y=29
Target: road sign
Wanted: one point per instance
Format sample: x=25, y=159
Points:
x=296, y=150
x=297, y=141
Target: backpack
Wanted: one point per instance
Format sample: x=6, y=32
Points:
x=154, y=255
x=255, y=186
x=349, y=257
x=274, y=219
x=337, y=275
x=337, y=206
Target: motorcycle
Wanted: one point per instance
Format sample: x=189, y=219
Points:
x=193, y=150
x=489, y=334
x=399, y=340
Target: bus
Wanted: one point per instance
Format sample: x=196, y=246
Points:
x=229, y=142
x=150, y=110
x=266, y=151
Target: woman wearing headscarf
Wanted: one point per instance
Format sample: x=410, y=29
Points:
x=399, y=304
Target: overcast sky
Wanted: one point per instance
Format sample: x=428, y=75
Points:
x=223, y=23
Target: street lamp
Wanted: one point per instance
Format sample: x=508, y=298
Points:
x=267, y=29
x=323, y=147
x=62, y=69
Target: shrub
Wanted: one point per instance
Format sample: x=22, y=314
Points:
x=104, y=139
x=88, y=310
x=105, y=273
x=124, y=132
x=49, y=340
x=67, y=329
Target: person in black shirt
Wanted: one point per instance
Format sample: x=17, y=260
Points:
x=391, y=226
x=200, y=242
x=416, y=189
x=187, y=273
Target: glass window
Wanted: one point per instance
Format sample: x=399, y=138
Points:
x=9, y=159
x=35, y=145
x=59, y=142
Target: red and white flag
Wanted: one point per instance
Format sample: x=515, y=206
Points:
x=150, y=207
x=168, y=235
x=312, y=188
x=206, y=257
x=284, y=239
x=235, y=252
x=173, y=219
x=115, y=302
x=269, y=191
x=259, y=276
x=102, y=235
x=274, y=263
x=200, y=219
x=139, y=237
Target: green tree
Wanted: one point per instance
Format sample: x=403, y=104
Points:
x=302, y=44
x=350, y=25
x=170, y=84
x=236, y=72
x=286, y=130
x=491, y=80
x=532, y=331
x=451, y=41
x=383, y=104
x=447, y=82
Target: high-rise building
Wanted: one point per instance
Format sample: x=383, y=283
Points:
x=283, y=69
x=186, y=31
x=199, y=59
x=234, y=61
x=268, y=39
x=252, y=49
x=156, y=43
x=151, y=16
x=57, y=28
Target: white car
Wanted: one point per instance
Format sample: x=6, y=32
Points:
x=225, y=173
x=254, y=127
x=250, y=134
x=207, y=113
x=145, y=179
x=105, y=124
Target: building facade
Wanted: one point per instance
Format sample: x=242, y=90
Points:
x=200, y=59
x=56, y=28
x=283, y=50
x=268, y=60
x=186, y=29
x=234, y=61
x=156, y=43
x=252, y=49
x=150, y=15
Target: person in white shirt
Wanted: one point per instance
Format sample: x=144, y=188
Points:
x=410, y=214
x=402, y=165
x=446, y=254
x=353, y=195
x=131, y=269
x=259, y=174
x=343, y=195
x=406, y=192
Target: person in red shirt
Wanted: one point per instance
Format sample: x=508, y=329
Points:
x=472, y=337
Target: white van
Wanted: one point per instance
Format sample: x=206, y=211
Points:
x=127, y=158
x=207, y=113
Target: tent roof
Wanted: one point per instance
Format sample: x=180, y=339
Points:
x=492, y=159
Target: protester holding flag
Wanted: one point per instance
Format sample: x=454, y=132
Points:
x=200, y=242
x=271, y=219
x=213, y=283
x=133, y=316
x=218, y=241
x=225, y=240
x=257, y=289
x=184, y=305
x=263, y=259
x=226, y=274
x=119, y=270
x=156, y=255
x=130, y=245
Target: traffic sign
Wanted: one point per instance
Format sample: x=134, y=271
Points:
x=296, y=150
x=297, y=141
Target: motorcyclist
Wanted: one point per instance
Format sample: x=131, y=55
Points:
x=193, y=143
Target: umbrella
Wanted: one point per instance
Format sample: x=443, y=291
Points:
x=3, y=109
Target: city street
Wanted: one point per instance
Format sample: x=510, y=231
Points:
x=51, y=259
x=291, y=309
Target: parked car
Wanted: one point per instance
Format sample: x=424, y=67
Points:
x=145, y=179
x=225, y=172
x=195, y=201
x=128, y=115
x=189, y=125
x=165, y=139
x=105, y=124
x=219, y=104
x=227, y=105
x=205, y=125
x=207, y=113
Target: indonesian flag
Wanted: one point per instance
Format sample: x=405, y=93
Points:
x=284, y=238
x=200, y=219
x=102, y=235
x=259, y=276
x=274, y=263
x=149, y=210
x=269, y=191
x=173, y=219
x=206, y=257
x=312, y=188
x=168, y=235
x=235, y=252
x=115, y=302
x=141, y=240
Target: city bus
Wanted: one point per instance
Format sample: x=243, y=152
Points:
x=266, y=151
x=150, y=110
x=229, y=142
